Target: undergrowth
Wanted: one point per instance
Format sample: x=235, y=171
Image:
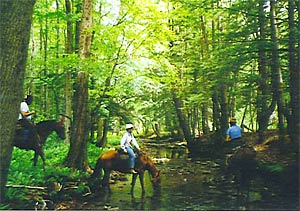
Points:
x=22, y=171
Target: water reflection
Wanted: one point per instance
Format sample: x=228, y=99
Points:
x=152, y=202
x=170, y=152
x=189, y=183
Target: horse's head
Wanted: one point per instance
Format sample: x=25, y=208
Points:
x=156, y=180
x=60, y=129
x=149, y=165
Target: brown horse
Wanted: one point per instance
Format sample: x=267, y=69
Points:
x=242, y=165
x=37, y=137
x=113, y=160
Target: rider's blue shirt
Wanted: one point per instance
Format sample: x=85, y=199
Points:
x=234, y=132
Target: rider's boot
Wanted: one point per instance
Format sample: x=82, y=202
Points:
x=132, y=171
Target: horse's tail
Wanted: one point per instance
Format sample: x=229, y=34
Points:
x=97, y=170
x=95, y=180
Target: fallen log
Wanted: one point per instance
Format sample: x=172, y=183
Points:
x=26, y=186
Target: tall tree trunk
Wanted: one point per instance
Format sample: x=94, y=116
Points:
x=100, y=128
x=57, y=44
x=15, y=26
x=85, y=39
x=68, y=87
x=224, y=108
x=57, y=29
x=215, y=99
x=190, y=120
x=231, y=106
x=204, y=110
x=263, y=110
x=262, y=105
x=102, y=142
x=204, y=53
x=77, y=156
x=78, y=7
x=294, y=114
x=216, y=112
x=182, y=119
x=45, y=35
x=68, y=100
x=276, y=71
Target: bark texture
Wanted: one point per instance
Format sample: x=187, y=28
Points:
x=77, y=156
x=15, y=16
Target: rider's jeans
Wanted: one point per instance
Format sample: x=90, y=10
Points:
x=131, y=157
x=25, y=134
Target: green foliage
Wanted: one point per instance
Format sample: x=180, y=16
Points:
x=16, y=194
x=4, y=207
x=140, y=55
x=22, y=171
x=142, y=51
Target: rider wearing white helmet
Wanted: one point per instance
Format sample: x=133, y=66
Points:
x=127, y=143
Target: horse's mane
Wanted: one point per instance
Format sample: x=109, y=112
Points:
x=145, y=157
x=149, y=164
x=45, y=123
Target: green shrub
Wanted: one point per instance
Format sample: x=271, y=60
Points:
x=22, y=171
x=4, y=207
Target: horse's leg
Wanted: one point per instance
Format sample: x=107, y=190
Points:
x=39, y=152
x=239, y=189
x=42, y=154
x=36, y=142
x=35, y=158
x=247, y=187
x=141, y=175
x=134, y=176
x=248, y=192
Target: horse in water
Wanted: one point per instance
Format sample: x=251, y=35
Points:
x=37, y=137
x=113, y=160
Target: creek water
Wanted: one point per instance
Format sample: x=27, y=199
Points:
x=189, y=183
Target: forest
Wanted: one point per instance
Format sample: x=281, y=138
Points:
x=178, y=70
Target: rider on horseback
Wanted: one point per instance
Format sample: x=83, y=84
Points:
x=25, y=116
x=126, y=144
x=234, y=133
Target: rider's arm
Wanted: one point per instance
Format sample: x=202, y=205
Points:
x=26, y=113
x=227, y=135
x=123, y=142
x=227, y=138
x=134, y=142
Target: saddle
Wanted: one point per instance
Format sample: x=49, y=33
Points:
x=26, y=133
x=122, y=155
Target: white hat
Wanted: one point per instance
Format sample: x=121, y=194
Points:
x=128, y=126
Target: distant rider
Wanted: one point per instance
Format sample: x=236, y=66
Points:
x=126, y=144
x=234, y=133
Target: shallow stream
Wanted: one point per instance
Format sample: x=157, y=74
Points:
x=189, y=184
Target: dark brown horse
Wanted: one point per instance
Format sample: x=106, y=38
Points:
x=242, y=165
x=112, y=160
x=37, y=136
